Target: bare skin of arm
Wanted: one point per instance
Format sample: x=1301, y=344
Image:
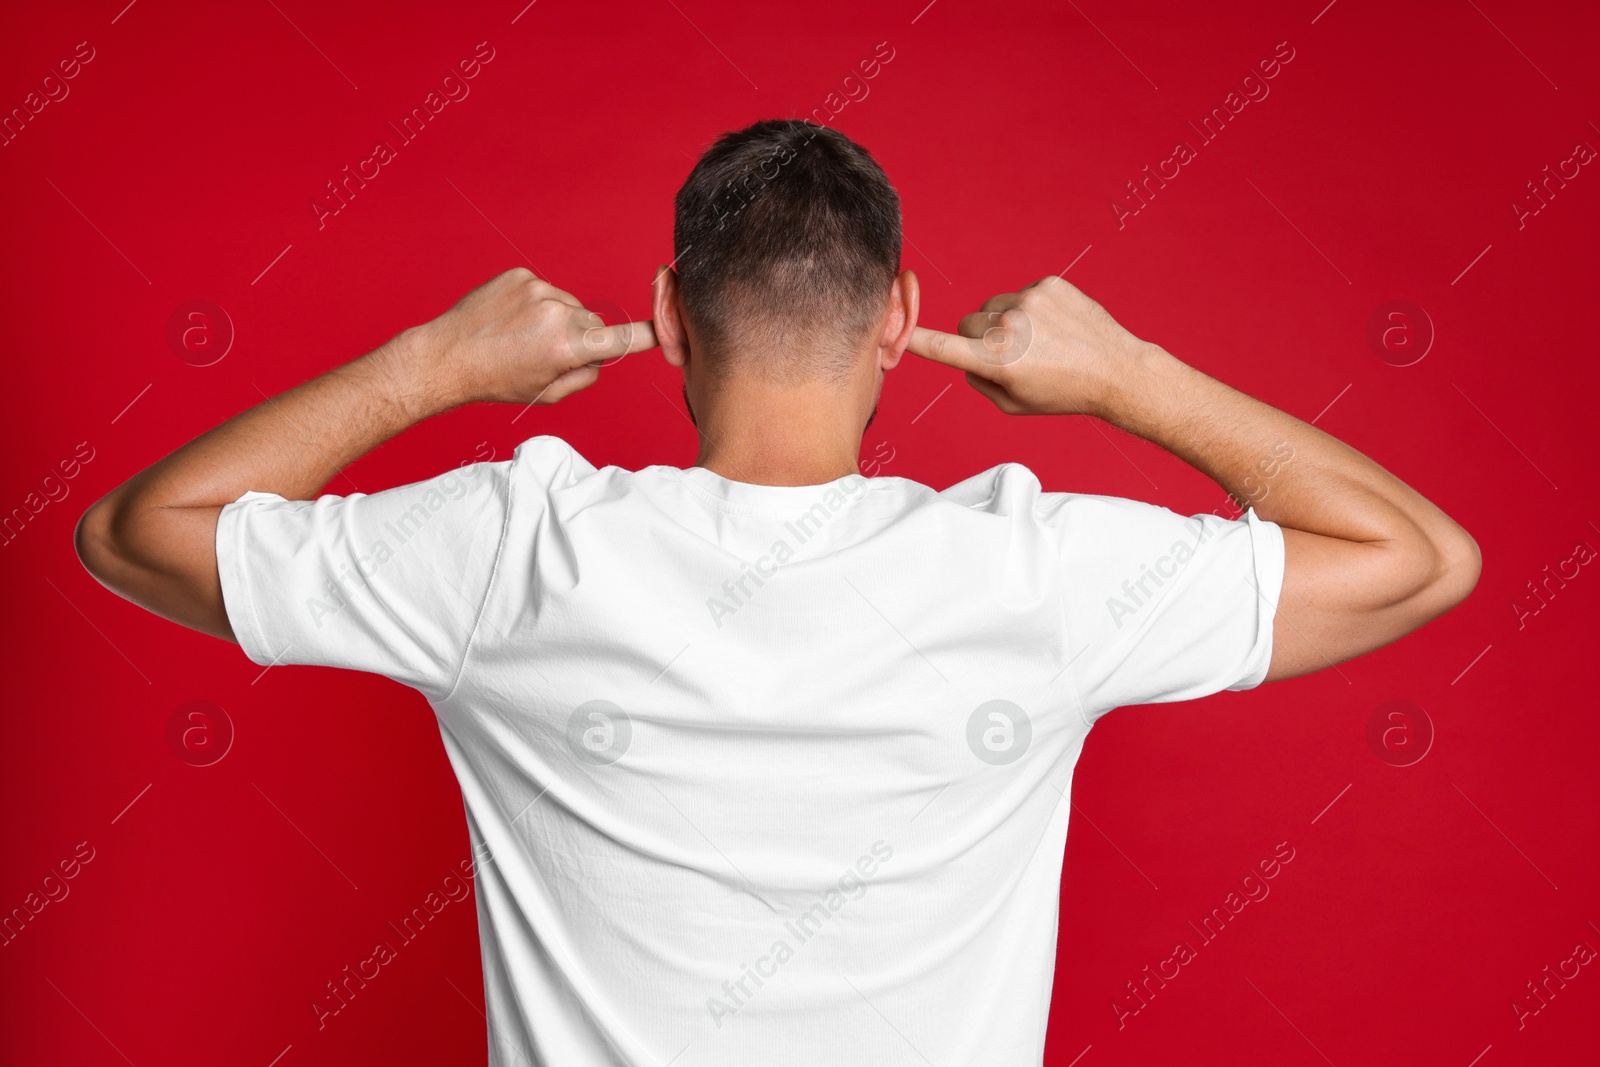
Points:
x=514, y=339
x=1367, y=559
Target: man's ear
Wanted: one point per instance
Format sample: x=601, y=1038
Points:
x=667, y=314
x=904, y=301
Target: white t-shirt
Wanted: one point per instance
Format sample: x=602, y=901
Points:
x=759, y=774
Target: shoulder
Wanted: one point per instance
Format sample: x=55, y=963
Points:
x=549, y=461
x=1014, y=489
x=548, y=452
x=1005, y=488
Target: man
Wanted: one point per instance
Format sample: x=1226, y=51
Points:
x=767, y=762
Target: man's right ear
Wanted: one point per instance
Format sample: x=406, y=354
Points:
x=905, y=303
x=667, y=315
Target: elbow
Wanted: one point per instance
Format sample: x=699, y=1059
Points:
x=1461, y=566
x=1455, y=562
x=94, y=539
x=1424, y=576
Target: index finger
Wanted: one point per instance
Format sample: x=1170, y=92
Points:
x=613, y=342
x=963, y=353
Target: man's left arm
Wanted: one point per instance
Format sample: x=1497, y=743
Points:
x=514, y=339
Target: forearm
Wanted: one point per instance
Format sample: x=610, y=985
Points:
x=514, y=339
x=1291, y=472
x=295, y=443
x=152, y=539
x=1366, y=559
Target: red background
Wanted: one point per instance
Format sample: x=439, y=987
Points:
x=1382, y=166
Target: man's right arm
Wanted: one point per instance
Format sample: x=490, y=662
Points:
x=1367, y=559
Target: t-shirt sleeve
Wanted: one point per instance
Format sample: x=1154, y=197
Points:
x=1163, y=607
x=391, y=582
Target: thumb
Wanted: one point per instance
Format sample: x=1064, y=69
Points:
x=995, y=392
x=569, y=382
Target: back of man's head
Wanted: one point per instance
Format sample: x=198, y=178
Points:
x=787, y=237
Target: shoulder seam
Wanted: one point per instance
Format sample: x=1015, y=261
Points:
x=494, y=573
x=1069, y=672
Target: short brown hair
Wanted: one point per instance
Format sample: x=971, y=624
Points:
x=788, y=237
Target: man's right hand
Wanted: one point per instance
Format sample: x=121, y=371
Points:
x=1046, y=350
x=516, y=339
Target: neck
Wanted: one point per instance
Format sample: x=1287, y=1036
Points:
x=771, y=434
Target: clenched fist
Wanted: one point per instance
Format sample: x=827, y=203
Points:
x=517, y=339
x=1045, y=350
